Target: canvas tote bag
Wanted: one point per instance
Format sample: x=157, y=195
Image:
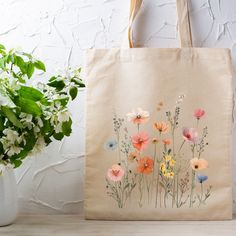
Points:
x=158, y=131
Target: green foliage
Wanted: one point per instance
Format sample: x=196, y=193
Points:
x=31, y=116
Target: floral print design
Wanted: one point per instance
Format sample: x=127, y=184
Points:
x=163, y=168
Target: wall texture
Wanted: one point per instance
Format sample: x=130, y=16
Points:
x=58, y=32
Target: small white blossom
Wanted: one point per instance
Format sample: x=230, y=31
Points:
x=14, y=150
x=39, y=146
x=26, y=120
x=58, y=128
x=63, y=116
x=11, y=135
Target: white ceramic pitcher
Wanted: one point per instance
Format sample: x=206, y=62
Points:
x=8, y=197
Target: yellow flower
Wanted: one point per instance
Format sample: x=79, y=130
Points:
x=172, y=162
x=169, y=175
x=172, y=174
x=165, y=173
x=162, y=166
x=168, y=157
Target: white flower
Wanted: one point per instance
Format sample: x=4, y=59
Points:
x=138, y=117
x=39, y=146
x=11, y=135
x=63, y=116
x=5, y=143
x=27, y=120
x=36, y=130
x=14, y=150
x=58, y=128
x=9, y=166
x=39, y=121
x=180, y=99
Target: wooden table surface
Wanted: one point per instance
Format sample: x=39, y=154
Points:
x=71, y=225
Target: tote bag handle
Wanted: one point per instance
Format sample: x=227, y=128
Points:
x=183, y=22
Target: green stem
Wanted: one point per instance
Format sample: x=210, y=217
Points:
x=200, y=202
x=180, y=147
x=192, y=188
x=154, y=169
x=140, y=190
x=157, y=186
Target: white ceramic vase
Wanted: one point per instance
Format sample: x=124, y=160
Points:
x=8, y=197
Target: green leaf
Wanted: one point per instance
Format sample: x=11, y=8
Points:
x=21, y=64
x=30, y=70
x=73, y=92
x=58, y=136
x=27, y=55
x=63, y=101
x=23, y=154
x=11, y=116
x=47, y=140
x=78, y=82
x=16, y=163
x=30, y=142
x=66, y=127
x=52, y=78
x=2, y=47
x=2, y=127
x=10, y=58
x=2, y=63
x=40, y=65
x=58, y=84
x=30, y=93
x=28, y=106
x=46, y=127
x=19, y=77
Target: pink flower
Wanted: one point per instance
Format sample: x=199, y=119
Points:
x=140, y=140
x=138, y=117
x=190, y=135
x=198, y=113
x=115, y=173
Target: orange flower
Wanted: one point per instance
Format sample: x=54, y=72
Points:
x=166, y=141
x=133, y=156
x=198, y=164
x=162, y=127
x=154, y=140
x=145, y=165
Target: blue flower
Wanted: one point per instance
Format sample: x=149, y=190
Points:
x=201, y=178
x=111, y=145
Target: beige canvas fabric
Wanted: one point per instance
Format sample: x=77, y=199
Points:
x=158, y=131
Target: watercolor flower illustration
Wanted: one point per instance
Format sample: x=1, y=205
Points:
x=199, y=113
x=202, y=178
x=190, y=135
x=166, y=141
x=162, y=127
x=198, y=164
x=140, y=141
x=138, y=117
x=167, y=173
x=111, y=145
x=145, y=165
x=133, y=156
x=115, y=173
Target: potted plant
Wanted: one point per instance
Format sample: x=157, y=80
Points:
x=31, y=117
